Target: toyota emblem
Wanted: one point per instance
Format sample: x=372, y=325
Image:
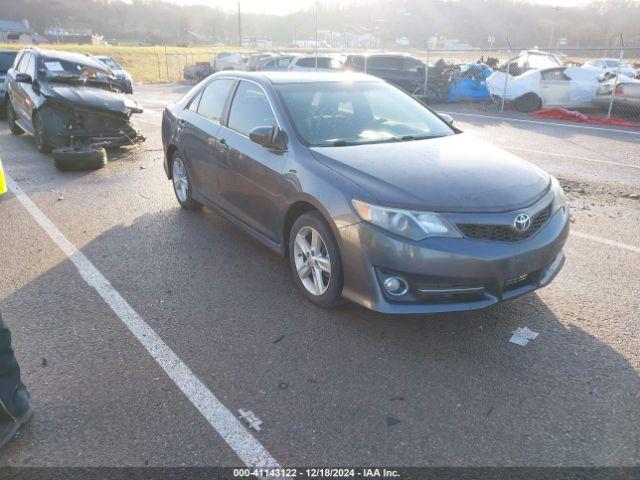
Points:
x=522, y=222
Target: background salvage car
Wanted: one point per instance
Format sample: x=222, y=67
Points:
x=572, y=87
x=6, y=60
x=71, y=104
x=627, y=95
x=120, y=73
x=401, y=70
x=611, y=65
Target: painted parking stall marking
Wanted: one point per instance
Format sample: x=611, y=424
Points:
x=537, y=122
x=573, y=157
x=606, y=241
x=241, y=441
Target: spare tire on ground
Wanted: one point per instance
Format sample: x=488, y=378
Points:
x=79, y=159
x=529, y=102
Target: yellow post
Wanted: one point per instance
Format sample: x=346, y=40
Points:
x=3, y=185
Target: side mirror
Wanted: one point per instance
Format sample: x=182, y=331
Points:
x=269, y=137
x=447, y=118
x=262, y=136
x=23, y=78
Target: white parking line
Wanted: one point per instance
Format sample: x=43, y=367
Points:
x=243, y=443
x=564, y=155
x=606, y=241
x=553, y=124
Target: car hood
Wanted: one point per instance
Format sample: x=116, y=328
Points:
x=458, y=173
x=93, y=98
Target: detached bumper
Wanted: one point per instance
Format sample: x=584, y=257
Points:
x=445, y=274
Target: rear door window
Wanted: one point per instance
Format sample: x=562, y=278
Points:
x=284, y=61
x=555, y=75
x=323, y=62
x=214, y=98
x=411, y=65
x=250, y=109
x=384, y=62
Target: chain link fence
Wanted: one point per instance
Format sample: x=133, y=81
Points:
x=598, y=81
x=603, y=83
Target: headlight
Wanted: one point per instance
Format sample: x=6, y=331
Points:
x=559, y=200
x=413, y=225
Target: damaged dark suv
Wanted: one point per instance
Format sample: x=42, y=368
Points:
x=72, y=104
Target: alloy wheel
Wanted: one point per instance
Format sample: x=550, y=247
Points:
x=312, y=261
x=180, y=179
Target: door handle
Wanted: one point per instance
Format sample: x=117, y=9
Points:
x=223, y=144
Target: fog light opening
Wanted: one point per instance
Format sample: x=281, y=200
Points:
x=395, y=286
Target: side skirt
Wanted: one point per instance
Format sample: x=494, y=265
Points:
x=275, y=246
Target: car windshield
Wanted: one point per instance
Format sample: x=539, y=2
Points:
x=6, y=60
x=110, y=62
x=541, y=60
x=63, y=70
x=355, y=113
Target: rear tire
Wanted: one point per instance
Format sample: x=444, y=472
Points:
x=11, y=120
x=529, y=102
x=73, y=160
x=182, y=185
x=328, y=286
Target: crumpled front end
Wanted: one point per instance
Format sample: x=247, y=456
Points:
x=70, y=125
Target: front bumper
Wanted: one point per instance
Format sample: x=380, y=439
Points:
x=449, y=274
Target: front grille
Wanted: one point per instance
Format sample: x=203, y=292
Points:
x=504, y=233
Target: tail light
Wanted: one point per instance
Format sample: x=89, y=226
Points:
x=619, y=90
x=289, y=68
x=258, y=69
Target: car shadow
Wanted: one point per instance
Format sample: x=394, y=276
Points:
x=446, y=389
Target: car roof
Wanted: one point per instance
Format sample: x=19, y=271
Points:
x=303, y=55
x=380, y=54
x=279, y=78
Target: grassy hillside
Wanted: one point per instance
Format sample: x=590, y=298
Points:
x=146, y=64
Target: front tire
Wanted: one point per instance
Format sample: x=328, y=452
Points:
x=315, y=260
x=11, y=120
x=41, y=138
x=182, y=186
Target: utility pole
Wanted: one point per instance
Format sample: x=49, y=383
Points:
x=316, y=4
x=239, y=26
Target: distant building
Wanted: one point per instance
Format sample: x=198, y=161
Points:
x=347, y=40
x=83, y=36
x=310, y=44
x=259, y=43
x=15, y=32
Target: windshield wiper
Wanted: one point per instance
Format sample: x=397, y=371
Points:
x=406, y=138
x=342, y=143
x=65, y=78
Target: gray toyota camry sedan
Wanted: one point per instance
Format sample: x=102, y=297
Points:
x=372, y=196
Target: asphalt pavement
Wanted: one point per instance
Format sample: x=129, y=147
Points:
x=227, y=329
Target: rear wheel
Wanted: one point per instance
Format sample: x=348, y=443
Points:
x=529, y=102
x=41, y=137
x=182, y=184
x=315, y=260
x=11, y=120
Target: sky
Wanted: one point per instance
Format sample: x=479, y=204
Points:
x=281, y=7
